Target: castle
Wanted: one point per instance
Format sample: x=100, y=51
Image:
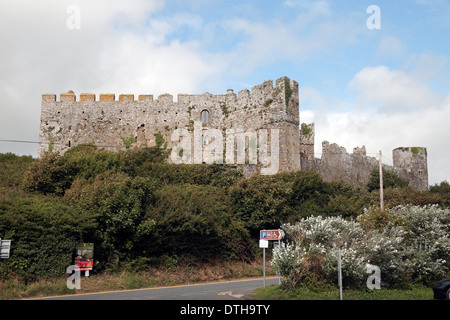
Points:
x=258, y=131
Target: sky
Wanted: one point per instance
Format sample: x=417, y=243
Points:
x=373, y=73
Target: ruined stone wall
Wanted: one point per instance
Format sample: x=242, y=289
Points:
x=354, y=168
x=412, y=164
x=116, y=124
x=266, y=114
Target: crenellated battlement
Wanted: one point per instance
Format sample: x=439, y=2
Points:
x=265, y=89
x=109, y=119
x=120, y=121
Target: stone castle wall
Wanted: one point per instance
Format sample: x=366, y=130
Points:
x=261, y=116
x=354, y=168
x=111, y=123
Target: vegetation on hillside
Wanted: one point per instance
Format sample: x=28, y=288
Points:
x=141, y=211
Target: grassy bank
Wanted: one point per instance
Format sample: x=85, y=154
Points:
x=413, y=292
x=16, y=288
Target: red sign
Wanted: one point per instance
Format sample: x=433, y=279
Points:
x=85, y=256
x=271, y=234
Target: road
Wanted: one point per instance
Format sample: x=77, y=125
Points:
x=224, y=290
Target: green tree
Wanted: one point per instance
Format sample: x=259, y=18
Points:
x=43, y=232
x=119, y=204
x=390, y=179
x=13, y=169
x=195, y=221
x=443, y=190
x=261, y=202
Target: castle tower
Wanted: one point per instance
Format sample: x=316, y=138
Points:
x=411, y=163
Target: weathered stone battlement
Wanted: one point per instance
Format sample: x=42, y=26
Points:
x=244, y=122
x=111, y=123
x=354, y=168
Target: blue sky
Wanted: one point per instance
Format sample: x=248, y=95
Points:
x=381, y=88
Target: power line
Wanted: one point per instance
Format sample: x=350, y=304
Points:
x=108, y=146
x=19, y=141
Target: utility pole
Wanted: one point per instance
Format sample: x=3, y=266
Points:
x=381, y=184
x=339, y=272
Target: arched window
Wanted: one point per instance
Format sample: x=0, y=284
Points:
x=205, y=117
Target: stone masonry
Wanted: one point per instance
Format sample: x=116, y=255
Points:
x=253, y=121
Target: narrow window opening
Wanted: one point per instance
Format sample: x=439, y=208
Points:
x=205, y=117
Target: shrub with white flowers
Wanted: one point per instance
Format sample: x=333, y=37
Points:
x=427, y=240
x=313, y=243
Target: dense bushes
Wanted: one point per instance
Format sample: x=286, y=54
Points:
x=43, y=231
x=196, y=221
x=410, y=244
x=139, y=209
x=13, y=168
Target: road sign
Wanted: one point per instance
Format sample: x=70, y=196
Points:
x=263, y=243
x=271, y=234
x=5, y=245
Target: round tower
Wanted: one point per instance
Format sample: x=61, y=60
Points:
x=413, y=161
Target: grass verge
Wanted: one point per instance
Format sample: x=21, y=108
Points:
x=413, y=292
x=16, y=288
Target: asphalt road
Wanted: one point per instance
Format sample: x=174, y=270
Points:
x=225, y=290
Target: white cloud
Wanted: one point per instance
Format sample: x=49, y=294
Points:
x=118, y=49
x=394, y=125
x=392, y=90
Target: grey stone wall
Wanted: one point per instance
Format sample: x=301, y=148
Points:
x=258, y=115
x=116, y=124
x=354, y=168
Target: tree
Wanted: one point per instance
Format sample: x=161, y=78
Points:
x=390, y=179
x=443, y=190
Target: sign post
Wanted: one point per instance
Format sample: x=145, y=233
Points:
x=264, y=237
x=85, y=257
x=339, y=273
x=264, y=244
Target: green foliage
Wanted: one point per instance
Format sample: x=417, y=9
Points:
x=312, y=196
x=43, y=233
x=390, y=179
x=128, y=141
x=13, y=168
x=51, y=174
x=216, y=175
x=260, y=202
x=194, y=220
x=119, y=203
x=404, y=196
x=443, y=191
x=408, y=244
x=51, y=145
x=288, y=90
x=54, y=174
x=138, y=209
x=159, y=139
x=306, y=130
